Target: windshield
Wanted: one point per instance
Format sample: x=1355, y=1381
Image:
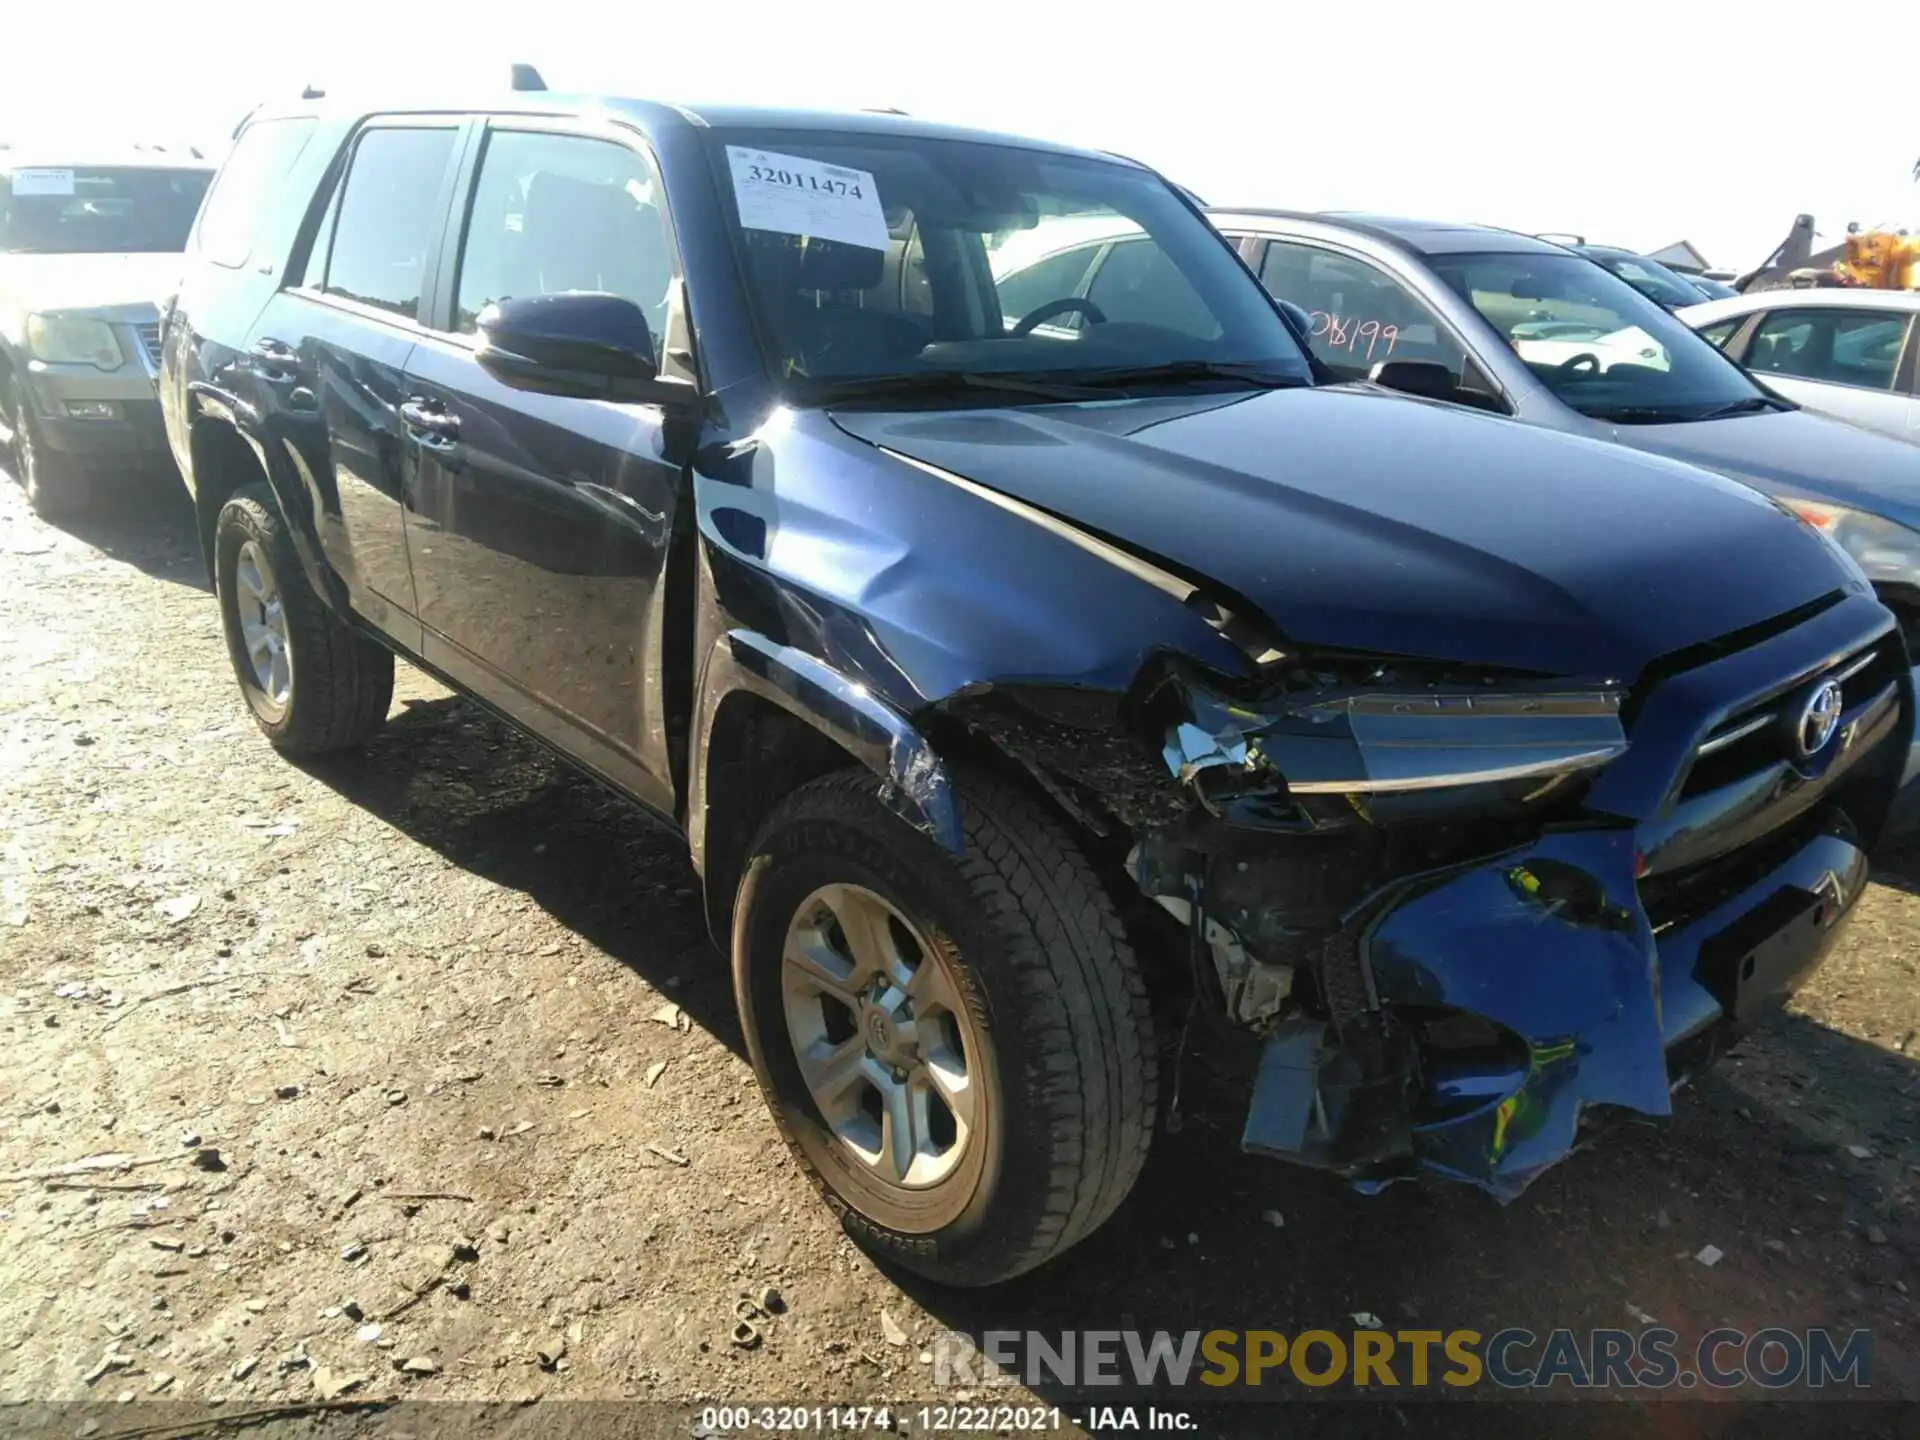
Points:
x=899, y=260
x=54, y=211
x=1649, y=277
x=1595, y=341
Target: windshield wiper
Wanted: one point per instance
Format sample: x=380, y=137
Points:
x=1248, y=374
x=1748, y=406
x=1641, y=415
x=940, y=382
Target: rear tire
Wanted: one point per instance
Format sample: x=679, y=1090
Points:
x=1053, y=1030
x=314, y=684
x=56, y=484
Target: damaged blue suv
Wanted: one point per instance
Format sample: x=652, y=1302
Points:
x=1002, y=635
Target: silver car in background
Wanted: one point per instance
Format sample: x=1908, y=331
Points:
x=1850, y=353
x=88, y=246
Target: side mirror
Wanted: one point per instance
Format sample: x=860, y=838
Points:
x=581, y=344
x=1417, y=377
x=1298, y=320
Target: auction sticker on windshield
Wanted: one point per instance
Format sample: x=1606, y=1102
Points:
x=796, y=196
x=43, y=182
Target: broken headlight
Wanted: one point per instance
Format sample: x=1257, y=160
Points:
x=1390, y=741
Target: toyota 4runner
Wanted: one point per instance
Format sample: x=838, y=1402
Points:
x=995, y=654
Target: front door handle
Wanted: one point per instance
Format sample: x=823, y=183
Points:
x=429, y=420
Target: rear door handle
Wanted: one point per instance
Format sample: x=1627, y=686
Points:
x=429, y=420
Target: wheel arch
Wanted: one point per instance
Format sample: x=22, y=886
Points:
x=225, y=455
x=771, y=718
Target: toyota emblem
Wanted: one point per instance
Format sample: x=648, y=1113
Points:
x=1819, y=718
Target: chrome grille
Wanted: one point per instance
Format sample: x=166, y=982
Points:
x=1757, y=736
x=149, y=338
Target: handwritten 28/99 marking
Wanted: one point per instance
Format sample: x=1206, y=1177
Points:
x=1348, y=334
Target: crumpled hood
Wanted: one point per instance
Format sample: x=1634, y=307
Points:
x=1354, y=519
x=1797, y=452
x=89, y=283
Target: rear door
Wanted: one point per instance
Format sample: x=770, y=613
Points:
x=540, y=524
x=1843, y=362
x=329, y=354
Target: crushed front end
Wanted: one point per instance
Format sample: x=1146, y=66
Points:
x=1464, y=909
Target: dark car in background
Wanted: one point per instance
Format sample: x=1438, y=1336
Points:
x=997, y=655
x=88, y=247
x=1665, y=287
x=1514, y=326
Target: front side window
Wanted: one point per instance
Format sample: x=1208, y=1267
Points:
x=1596, y=342
x=552, y=213
x=98, y=210
x=389, y=218
x=1839, y=347
x=238, y=203
x=988, y=235
x=1358, y=315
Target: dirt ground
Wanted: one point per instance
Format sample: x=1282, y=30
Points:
x=423, y=1055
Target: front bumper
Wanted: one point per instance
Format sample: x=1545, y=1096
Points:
x=67, y=402
x=1595, y=966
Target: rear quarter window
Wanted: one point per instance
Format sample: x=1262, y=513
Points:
x=237, y=209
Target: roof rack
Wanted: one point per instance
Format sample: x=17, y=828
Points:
x=525, y=77
x=1560, y=237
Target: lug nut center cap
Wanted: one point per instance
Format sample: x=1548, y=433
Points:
x=879, y=1032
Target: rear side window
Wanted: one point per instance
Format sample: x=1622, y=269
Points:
x=230, y=220
x=389, y=218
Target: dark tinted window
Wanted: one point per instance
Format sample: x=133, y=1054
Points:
x=1139, y=284
x=389, y=218
x=54, y=210
x=263, y=155
x=1841, y=347
x=822, y=224
x=1025, y=290
x=1359, y=316
x=562, y=212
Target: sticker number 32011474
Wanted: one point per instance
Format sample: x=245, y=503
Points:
x=793, y=195
x=42, y=182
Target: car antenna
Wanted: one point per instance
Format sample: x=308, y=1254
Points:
x=525, y=77
x=312, y=92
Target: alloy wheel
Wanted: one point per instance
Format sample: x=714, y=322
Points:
x=884, y=1039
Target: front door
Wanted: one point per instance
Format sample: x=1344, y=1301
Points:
x=539, y=526
x=1846, y=363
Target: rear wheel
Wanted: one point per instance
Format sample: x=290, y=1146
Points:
x=313, y=683
x=958, y=1049
x=56, y=484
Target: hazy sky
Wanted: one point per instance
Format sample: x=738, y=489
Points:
x=1632, y=123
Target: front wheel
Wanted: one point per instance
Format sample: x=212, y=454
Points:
x=56, y=484
x=313, y=683
x=959, y=1050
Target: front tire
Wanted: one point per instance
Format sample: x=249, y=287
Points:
x=56, y=484
x=314, y=684
x=958, y=1050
